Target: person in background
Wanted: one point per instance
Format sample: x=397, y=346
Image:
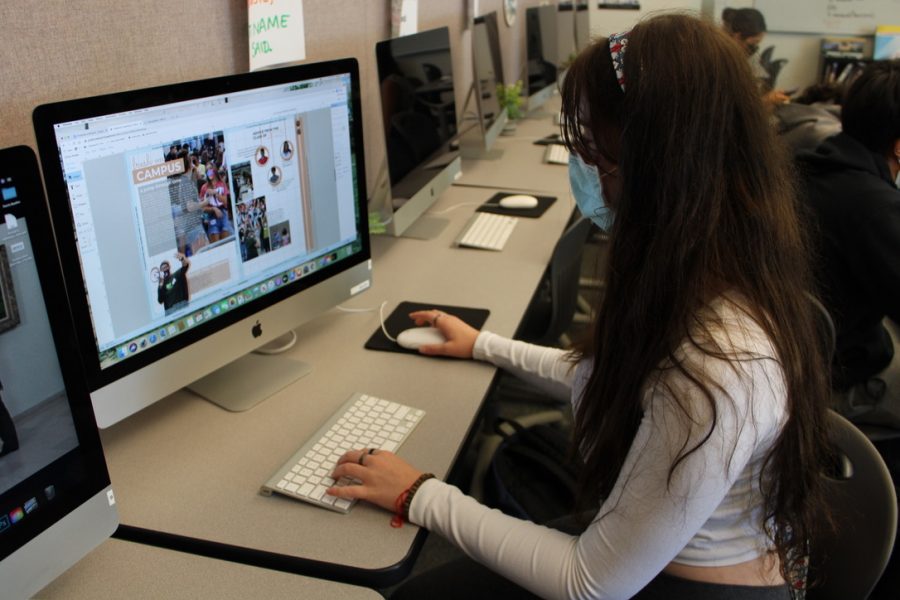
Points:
x=697, y=398
x=851, y=188
x=852, y=182
x=811, y=118
x=747, y=27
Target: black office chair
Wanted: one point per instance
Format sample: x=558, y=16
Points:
x=548, y=317
x=772, y=67
x=851, y=560
x=554, y=304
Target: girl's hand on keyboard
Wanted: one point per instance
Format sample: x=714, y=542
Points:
x=460, y=335
x=383, y=476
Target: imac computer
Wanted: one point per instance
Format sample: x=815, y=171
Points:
x=478, y=140
x=418, y=108
x=56, y=503
x=565, y=35
x=542, y=50
x=582, y=25
x=198, y=221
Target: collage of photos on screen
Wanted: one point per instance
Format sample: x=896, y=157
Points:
x=212, y=205
x=201, y=195
x=257, y=235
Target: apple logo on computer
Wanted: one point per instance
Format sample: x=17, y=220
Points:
x=257, y=330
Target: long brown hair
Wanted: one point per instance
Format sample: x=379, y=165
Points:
x=708, y=206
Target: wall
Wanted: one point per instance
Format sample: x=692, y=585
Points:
x=66, y=50
x=801, y=49
x=606, y=21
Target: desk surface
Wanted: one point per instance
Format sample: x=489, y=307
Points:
x=120, y=569
x=185, y=467
x=520, y=164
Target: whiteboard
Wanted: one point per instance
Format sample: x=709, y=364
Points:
x=853, y=17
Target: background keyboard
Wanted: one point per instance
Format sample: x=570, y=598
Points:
x=363, y=421
x=486, y=231
x=556, y=154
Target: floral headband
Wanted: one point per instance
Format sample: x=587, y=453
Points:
x=617, y=44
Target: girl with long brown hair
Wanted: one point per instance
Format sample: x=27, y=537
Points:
x=699, y=399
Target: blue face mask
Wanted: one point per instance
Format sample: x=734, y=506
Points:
x=588, y=191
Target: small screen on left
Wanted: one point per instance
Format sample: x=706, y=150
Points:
x=36, y=423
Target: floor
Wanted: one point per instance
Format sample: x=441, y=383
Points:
x=45, y=433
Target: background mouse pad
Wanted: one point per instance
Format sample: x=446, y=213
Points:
x=399, y=320
x=544, y=202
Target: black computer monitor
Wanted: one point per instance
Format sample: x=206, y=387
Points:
x=542, y=49
x=56, y=503
x=418, y=105
x=582, y=25
x=565, y=34
x=200, y=220
x=487, y=67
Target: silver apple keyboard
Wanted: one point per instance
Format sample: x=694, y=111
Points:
x=486, y=231
x=556, y=154
x=363, y=421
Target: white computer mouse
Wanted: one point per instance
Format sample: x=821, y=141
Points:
x=412, y=338
x=518, y=201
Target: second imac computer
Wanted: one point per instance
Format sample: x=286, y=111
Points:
x=582, y=25
x=199, y=221
x=542, y=50
x=418, y=106
x=490, y=118
x=565, y=34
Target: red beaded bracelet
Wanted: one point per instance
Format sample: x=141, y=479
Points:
x=403, y=501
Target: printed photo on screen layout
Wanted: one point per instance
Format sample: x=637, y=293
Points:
x=186, y=213
x=257, y=236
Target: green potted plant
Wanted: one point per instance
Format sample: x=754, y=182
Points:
x=510, y=98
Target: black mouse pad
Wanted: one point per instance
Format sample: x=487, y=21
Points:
x=492, y=206
x=399, y=321
x=554, y=138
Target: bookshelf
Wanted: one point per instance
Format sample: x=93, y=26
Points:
x=843, y=59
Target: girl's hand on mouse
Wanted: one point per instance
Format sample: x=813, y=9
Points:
x=383, y=477
x=460, y=335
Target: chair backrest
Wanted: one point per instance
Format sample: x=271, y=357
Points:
x=563, y=275
x=849, y=562
x=772, y=67
x=825, y=327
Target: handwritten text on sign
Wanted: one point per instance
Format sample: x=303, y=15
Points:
x=275, y=31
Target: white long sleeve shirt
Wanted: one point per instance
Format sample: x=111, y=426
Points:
x=710, y=514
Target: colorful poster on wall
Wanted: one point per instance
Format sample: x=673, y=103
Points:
x=276, y=32
x=887, y=42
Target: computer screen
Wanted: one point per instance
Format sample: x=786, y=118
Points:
x=200, y=220
x=582, y=26
x=565, y=34
x=55, y=499
x=418, y=104
x=488, y=74
x=542, y=49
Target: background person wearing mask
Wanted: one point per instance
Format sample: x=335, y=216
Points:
x=747, y=27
